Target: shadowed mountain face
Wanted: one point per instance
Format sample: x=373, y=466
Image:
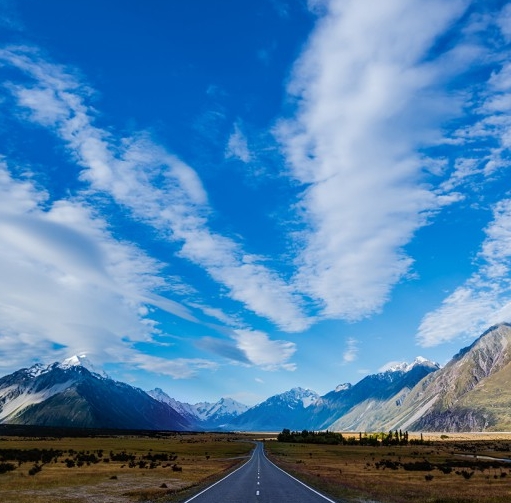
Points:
x=305, y=409
x=291, y=408
x=61, y=395
x=362, y=406
x=207, y=416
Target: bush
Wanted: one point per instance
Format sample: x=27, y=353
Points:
x=35, y=469
x=6, y=467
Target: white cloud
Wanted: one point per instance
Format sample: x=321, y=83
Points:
x=68, y=286
x=504, y=21
x=237, y=146
x=154, y=185
x=177, y=368
x=260, y=350
x=485, y=298
x=351, y=352
x=369, y=98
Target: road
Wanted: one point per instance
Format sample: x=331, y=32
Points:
x=259, y=481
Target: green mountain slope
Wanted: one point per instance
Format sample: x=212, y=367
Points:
x=471, y=393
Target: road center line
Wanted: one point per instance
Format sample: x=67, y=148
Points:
x=227, y=476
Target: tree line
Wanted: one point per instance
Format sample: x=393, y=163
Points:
x=397, y=437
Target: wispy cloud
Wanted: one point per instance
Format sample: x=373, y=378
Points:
x=370, y=96
x=485, y=299
x=237, y=146
x=351, y=352
x=177, y=368
x=252, y=348
x=67, y=285
x=155, y=186
x=268, y=354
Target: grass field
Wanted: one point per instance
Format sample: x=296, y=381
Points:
x=118, y=469
x=448, y=469
x=169, y=467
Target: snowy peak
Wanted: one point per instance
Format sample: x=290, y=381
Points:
x=224, y=408
x=227, y=406
x=67, y=394
x=297, y=397
x=407, y=367
x=160, y=395
x=81, y=361
x=423, y=362
x=36, y=370
x=204, y=413
x=342, y=387
x=184, y=409
x=76, y=360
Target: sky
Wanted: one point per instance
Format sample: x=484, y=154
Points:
x=231, y=199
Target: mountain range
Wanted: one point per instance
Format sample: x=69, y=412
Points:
x=470, y=393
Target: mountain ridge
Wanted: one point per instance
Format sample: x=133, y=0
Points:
x=72, y=396
x=470, y=393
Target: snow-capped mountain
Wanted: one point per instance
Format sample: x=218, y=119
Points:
x=205, y=415
x=286, y=410
x=68, y=394
x=81, y=361
x=471, y=393
x=362, y=407
x=184, y=409
x=406, y=367
x=221, y=412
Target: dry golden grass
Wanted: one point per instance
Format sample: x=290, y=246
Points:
x=199, y=456
x=347, y=472
x=362, y=473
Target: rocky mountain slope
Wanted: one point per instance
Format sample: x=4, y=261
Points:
x=348, y=407
x=204, y=415
x=68, y=394
x=286, y=410
x=362, y=407
x=471, y=393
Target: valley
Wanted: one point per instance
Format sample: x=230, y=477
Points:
x=165, y=467
x=121, y=468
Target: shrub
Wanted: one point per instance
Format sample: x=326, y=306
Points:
x=35, y=469
x=6, y=467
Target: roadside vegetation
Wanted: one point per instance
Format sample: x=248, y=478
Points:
x=362, y=467
x=114, y=469
x=386, y=467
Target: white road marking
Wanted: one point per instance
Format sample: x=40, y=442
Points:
x=227, y=476
x=299, y=481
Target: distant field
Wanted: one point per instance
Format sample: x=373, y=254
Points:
x=449, y=468
x=113, y=469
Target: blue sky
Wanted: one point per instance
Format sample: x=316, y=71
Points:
x=236, y=198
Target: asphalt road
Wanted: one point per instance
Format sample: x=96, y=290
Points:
x=259, y=481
